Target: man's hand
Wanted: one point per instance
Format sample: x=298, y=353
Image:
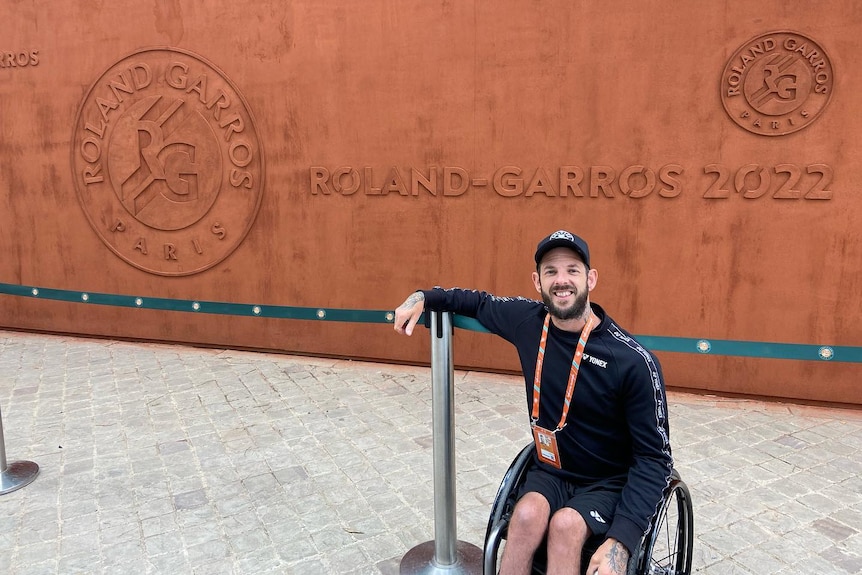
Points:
x=611, y=558
x=408, y=313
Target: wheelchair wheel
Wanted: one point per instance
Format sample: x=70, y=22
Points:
x=501, y=509
x=667, y=548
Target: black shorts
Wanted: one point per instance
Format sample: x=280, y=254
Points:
x=596, y=502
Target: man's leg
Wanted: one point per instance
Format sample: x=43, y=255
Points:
x=526, y=531
x=567, y=534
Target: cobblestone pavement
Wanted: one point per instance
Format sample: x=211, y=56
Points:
x=168, y=459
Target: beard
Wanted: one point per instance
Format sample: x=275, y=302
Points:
x=574, y=311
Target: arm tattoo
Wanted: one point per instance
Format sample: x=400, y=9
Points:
x=618, y=558
x=414, y=298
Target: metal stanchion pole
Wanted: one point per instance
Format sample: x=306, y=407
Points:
x=18, y=473
x=444, y=555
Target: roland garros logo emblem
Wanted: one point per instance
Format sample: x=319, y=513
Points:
x=167, y=162
x=777, y=83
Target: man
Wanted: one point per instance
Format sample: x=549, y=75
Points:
x=597, y=408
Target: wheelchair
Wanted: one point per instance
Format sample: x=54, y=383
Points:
x=666, y=549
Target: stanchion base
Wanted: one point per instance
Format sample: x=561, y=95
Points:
x=420, y=560
x=16, y=475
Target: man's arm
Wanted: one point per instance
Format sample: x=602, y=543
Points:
x=408, y=313
x=649, y=475
x=498, y=315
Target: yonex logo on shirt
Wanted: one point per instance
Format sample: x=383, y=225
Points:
x=595, y=361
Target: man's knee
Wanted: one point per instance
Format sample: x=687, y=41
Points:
x=531, y=514
x=569, y=525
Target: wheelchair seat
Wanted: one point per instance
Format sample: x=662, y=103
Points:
x=666, y=549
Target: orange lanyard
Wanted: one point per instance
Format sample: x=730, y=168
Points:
x=573, y=372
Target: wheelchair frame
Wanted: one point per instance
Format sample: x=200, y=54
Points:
x=666, y=548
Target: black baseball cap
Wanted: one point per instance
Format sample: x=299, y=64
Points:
x=563, y=239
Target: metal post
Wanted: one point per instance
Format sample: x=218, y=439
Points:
x=444, y=555
x=18, y=473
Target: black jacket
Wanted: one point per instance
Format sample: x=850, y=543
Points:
x=617, y=427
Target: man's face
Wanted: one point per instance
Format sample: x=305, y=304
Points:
x=565, y=283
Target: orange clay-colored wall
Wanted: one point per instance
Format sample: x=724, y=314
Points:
x=342, y=153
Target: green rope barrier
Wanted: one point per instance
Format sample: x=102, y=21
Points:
x=201, y=306
x=703, y=346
